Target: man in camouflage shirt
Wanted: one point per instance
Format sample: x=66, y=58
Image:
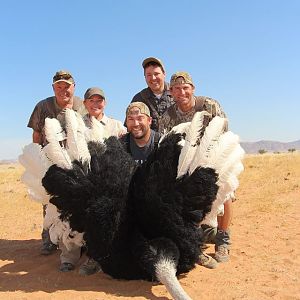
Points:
x=186, y=105
x=157, y=95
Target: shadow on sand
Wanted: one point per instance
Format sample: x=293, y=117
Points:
x=24, y=269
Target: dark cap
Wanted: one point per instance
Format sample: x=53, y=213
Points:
x=63, y=75
x=93, y=91
x=136, y=108
x=153, y=60
x=181, y=78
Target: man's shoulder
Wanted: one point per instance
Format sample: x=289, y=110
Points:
x=112, y=121
x=211, y=105
x=170, y=112
x=207, y=99
x=78, y=105
x=141, y=95
x=47, y=101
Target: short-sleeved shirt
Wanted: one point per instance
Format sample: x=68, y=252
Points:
x=111, y=126
x=174, y=116
x=157, y=106
x=48, y=108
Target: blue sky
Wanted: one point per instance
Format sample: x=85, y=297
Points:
x=245, y=54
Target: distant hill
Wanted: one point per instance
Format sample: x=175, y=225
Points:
x=249, y=147
x=269, y=146
x=8, y=161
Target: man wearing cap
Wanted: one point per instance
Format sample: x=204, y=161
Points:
x=53, y=107
x=95, y=103
x=186, y=104
x=156, y=96
x=140, y=139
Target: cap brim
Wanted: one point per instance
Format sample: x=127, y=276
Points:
x=64, y=80
x=153, y=59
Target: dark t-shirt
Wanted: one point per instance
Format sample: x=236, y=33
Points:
x=140, y=154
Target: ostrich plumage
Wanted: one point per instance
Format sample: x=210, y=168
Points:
x=141, y=222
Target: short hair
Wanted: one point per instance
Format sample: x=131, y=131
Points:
x=154, y=64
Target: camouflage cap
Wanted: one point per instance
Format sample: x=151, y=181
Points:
x=93, y=91
x=136, y=108
x=181, y=78
x=63, y=75
x=155, y=60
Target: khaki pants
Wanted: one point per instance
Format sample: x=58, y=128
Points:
x=69, y=256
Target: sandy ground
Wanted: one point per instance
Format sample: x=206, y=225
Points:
x=265, y=255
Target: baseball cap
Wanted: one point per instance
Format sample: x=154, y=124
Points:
x=137, y=107
x=154, y=60
x=63, y=75
x=93, y=91
x=181, y=78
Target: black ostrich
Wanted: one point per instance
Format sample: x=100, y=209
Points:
x=141, y=222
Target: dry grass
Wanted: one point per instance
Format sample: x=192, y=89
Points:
x=15, y=203
x=269, y=176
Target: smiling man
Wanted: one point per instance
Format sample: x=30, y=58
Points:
x=140, y=139
x=53, y=107
x=186, y=105
x=157, y=95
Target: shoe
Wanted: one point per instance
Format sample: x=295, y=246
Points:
x=222, y=253
x=66, y=267
x=89, y=267
x=48, y=249
x=207, y=261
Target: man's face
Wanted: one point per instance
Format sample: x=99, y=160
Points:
x=138, y=124
x=95, y=105
x=64, y=93
x=182, y=93
x=155, y=78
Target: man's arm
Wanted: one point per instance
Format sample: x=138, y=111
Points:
x=36, y=137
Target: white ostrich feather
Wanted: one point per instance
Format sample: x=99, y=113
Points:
x=192, y=141
x=76, y=144
x=55, y=150
x=96, y=132
x=223, y=153
x=180, y=128
x=223, y=149
x=232, y=166
x=59, y=230
x=209, y=140
x=36, y=164
x=227, y=181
